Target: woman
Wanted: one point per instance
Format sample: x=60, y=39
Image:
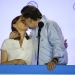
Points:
x=18, y=50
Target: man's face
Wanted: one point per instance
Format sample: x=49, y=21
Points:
x=30, y=23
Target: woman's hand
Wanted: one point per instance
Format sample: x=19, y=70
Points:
x=65, y=43
x=19, y=61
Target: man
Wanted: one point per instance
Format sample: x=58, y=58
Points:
x=51, y=50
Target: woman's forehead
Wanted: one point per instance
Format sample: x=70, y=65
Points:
x=21, y=18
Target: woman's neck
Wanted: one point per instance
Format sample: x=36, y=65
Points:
x=22, y=34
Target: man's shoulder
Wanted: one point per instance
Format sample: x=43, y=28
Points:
x=47, y=20
x=52, y=23
x=49, y=23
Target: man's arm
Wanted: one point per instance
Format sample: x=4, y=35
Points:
x=56, y=39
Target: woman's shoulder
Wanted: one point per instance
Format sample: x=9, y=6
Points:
x=7, y=43
x=28, y=40
x=8, y=40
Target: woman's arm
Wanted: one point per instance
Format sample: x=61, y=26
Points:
x=4, y=59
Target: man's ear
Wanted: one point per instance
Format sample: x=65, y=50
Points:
x=30, y=20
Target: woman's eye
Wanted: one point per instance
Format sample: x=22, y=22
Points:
x=22, y=21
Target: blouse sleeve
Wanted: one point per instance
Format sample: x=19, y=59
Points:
x=4, y=45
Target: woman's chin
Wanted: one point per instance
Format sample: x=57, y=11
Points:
x=26, y=29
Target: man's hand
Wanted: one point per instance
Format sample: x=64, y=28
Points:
x=51, y=65
x=14, y=34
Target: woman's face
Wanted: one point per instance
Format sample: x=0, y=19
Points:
x=20, y=25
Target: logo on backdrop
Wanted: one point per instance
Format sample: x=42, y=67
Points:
x=74, y=6
x=33, y=3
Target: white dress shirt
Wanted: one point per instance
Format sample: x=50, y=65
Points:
x=25, y=52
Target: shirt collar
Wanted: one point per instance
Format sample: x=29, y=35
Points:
x=43, y=19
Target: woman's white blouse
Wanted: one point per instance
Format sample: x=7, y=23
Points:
x=25, y=52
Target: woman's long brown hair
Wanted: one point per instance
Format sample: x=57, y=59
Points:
x=14, y=29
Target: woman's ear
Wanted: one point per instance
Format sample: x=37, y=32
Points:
x=14, y=25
